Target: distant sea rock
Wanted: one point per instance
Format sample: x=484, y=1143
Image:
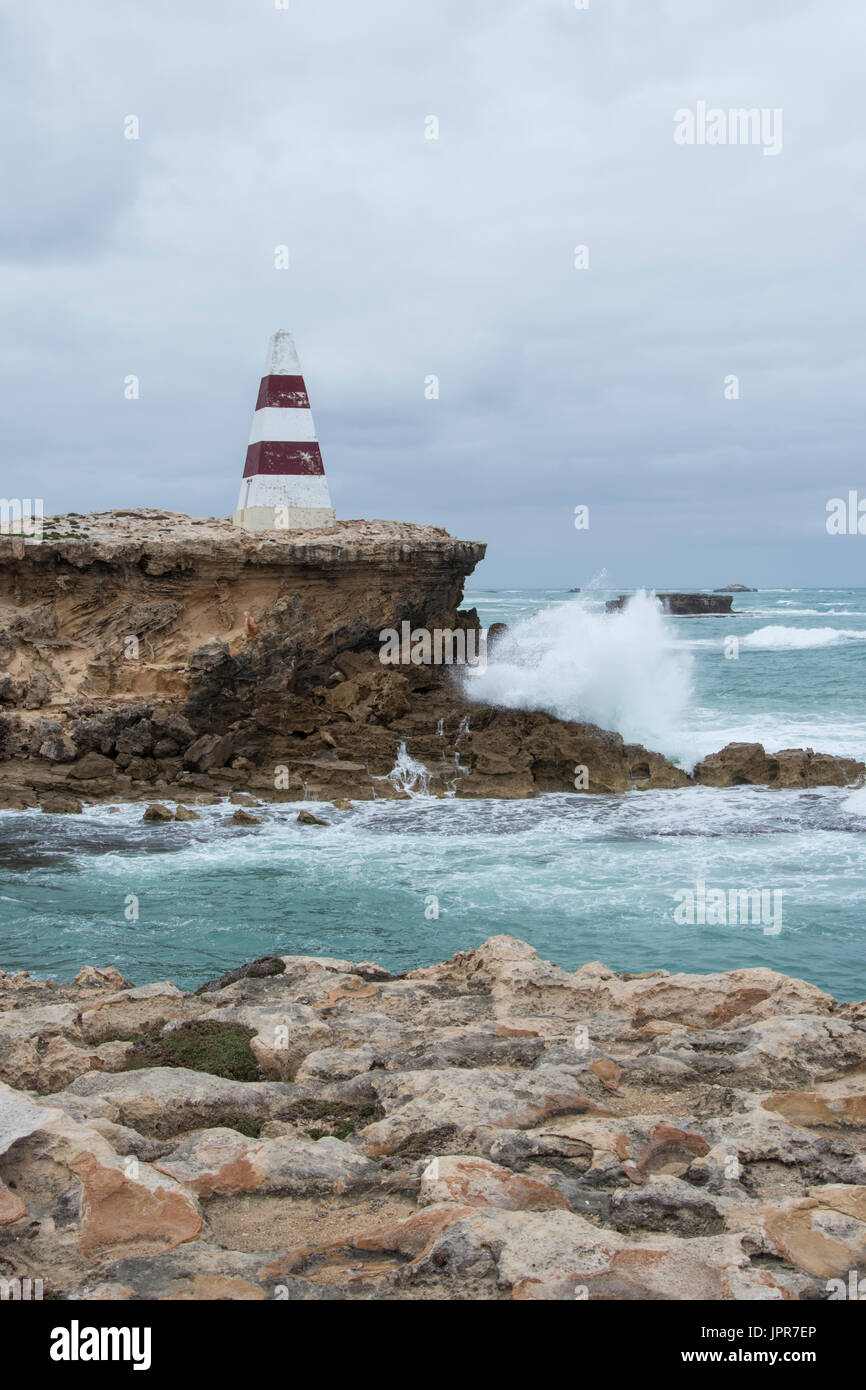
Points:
x=682, y=605
x=735, y=589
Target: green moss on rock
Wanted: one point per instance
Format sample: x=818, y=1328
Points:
x=220, y=1049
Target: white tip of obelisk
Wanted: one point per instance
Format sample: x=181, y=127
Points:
x=282, y=358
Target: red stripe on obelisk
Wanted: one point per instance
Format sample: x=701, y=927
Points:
x=303, y=460
x=289, y=392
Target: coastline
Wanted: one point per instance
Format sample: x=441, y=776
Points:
x=308, y=1127
x=147, y=654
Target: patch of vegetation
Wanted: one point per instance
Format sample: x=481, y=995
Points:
x=333, y=1119
x=431, y=1141
x=244, y=1124
x=220, y=1049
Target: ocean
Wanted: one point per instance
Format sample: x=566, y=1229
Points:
x=582, y=878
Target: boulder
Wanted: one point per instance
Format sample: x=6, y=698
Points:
x=91, y=767
x=67, y=1172
x=136, y=739
x=106, y=977
x=208, y=752
x=58, y=803
x=59, y=748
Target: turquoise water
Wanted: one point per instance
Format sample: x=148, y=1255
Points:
x=582, y=878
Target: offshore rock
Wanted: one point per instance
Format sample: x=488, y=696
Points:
x=683, y=605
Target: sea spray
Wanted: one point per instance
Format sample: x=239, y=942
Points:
x=408, y=774
x=624, y=671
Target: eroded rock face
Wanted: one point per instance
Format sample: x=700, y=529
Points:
x=144, y=604
x=488, y=1127
x=148, y=655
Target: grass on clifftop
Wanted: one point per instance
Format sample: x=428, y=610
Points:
x=220, y=1049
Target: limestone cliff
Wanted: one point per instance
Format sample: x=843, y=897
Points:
x=198, y=594
x=148, y=652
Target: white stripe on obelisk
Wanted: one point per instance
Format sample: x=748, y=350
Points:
x=282, y=424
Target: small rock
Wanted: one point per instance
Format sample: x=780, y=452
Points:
x=608, y=1073
x=184, y=813
x=243, y=799
x=91, y=766
x=343, y=804
x=307, y=818
x=242, y=817
x=59, y=749
x=256, y=970
x=157, y=812
x=61, y=804
x=105, y=977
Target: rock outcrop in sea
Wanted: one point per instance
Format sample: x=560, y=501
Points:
x=492, y=1127
x=684, y=605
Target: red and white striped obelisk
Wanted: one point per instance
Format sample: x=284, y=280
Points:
x=284, y=485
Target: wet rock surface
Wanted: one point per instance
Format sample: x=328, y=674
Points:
x=490, y=1127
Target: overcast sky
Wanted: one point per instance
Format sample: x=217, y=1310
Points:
x=411, y=257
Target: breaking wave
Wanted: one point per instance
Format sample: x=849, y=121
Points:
x=624, y=671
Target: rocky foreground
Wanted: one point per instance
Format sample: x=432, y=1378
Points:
x=492, y=1127
x=151, y=655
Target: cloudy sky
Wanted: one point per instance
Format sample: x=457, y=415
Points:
x=454, y=257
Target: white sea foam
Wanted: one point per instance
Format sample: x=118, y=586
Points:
x=625, y=671
x=824, y=612
x=776, y=639
x=408, y=774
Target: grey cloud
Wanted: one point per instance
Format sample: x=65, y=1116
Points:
x=411, y=257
